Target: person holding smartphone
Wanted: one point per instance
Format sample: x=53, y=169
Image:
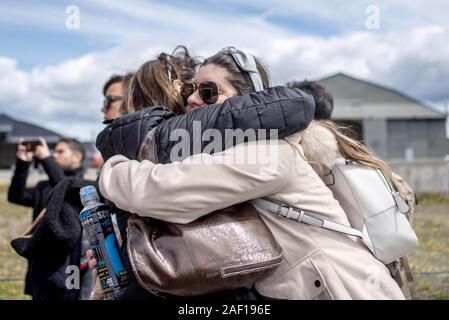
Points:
x=65, y=162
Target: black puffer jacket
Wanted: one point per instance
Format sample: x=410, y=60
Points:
x=288, y=110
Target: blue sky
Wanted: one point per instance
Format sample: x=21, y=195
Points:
x=53, y=75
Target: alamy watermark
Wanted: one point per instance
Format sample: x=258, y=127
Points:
x=372, y=21
x=73, y=277
x=262, y=146
x=72, y=20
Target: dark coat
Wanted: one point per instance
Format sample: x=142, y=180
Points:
x=55, y=242
x=38, y=196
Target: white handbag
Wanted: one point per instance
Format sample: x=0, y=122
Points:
x=374, y=209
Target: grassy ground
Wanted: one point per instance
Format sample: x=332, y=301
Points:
x=431, y=224
x=13, y=221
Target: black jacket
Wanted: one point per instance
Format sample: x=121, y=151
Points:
x=55, y=242
x=288, y=110
x=37, y=197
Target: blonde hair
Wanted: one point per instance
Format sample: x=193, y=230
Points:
x=354, y=150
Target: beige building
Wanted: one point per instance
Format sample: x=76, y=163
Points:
x=392, y=124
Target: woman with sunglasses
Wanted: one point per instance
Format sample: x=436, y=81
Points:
x=319, y=263
x=220, y=78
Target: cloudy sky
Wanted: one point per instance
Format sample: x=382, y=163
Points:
x=52, y=72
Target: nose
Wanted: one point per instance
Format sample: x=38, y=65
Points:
x=194, y=101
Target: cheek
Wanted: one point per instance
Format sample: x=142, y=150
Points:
x=63, y=156
x=221, y=98
x=114, y=108
x=115, y=105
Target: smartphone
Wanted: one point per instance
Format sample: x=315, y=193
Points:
x=31, y=145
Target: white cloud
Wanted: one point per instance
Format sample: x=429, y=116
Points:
x=67, y=96
x=13, y=82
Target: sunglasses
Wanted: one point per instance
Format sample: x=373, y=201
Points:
x=109, y=99
x=208, y=91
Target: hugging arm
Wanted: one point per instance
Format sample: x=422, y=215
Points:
x=184, y=191
x=284, y=109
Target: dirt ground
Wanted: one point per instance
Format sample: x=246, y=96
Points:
x=430, y=262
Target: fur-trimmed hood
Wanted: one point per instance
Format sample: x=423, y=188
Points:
x=319, y=144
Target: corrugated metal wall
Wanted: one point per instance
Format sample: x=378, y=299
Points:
x=427, y=138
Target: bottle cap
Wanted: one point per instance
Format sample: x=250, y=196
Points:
x=88, y=194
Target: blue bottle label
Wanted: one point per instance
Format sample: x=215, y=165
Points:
x=98, y=224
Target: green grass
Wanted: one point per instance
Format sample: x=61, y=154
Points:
x=12, y=291
x=441, y=296
x=13, y=220
x=431, y=225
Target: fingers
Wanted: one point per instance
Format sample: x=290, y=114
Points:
x=42, y=150
x=92, y=261
x=92, y=264
x=43, y=142
x=20, y=145
x=89, y=253
x=21, y=148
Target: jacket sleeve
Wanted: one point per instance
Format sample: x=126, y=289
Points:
x=287, y=110
x=18, y=193
x=54, y=172
x=184, y=191
x=125, y=134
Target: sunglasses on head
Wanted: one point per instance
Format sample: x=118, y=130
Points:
x=208, y=91
x=109, y=99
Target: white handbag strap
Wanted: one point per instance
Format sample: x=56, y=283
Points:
x=301, y=216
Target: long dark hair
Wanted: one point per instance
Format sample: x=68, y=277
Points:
x=151, y=85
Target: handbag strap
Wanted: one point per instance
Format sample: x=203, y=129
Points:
x=305, y=217
x=25, y=234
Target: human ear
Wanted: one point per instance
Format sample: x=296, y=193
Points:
x=77, y=157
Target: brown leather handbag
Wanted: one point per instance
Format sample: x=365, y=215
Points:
x=227, y=249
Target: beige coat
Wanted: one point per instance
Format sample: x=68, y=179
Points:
x=318, y=264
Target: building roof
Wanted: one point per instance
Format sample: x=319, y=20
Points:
x=356, y=99
x=14, y=129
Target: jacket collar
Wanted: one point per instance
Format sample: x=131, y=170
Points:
x=74, y=172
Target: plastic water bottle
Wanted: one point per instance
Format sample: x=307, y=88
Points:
x=96, y=221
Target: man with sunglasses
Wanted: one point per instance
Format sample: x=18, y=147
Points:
x=113, y=96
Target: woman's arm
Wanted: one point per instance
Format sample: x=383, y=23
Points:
x=184, y=191
x=284, y=109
